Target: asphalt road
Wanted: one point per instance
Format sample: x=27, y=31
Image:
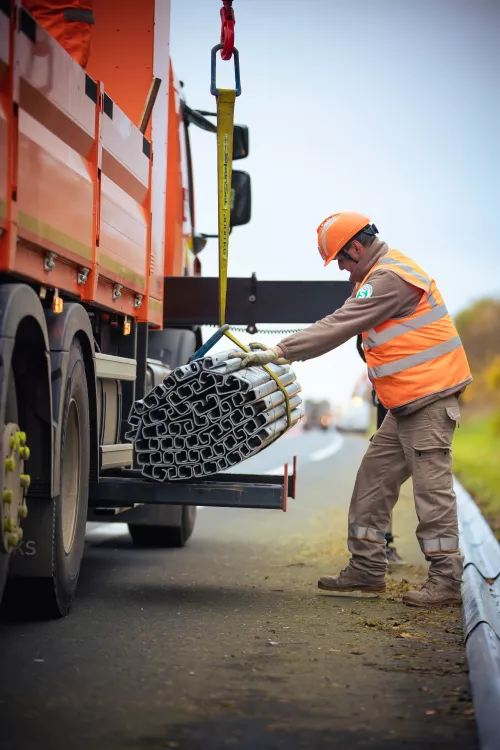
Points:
x=228, y=642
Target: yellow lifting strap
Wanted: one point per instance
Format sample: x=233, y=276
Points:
x=225, y=127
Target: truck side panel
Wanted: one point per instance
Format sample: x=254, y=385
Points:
x=82, y=215
x=4, y=67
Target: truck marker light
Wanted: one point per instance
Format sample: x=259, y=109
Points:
x=126, y=327
x=57, y=303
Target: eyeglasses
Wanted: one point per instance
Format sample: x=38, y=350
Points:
x=344, y=254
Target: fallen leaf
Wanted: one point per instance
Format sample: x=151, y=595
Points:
x=430, y=713
x=272, y=643
x=405, y=635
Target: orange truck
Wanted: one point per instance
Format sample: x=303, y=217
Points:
x=95, y=212
x=97, y=242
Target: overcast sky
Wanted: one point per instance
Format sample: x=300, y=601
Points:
x=389, y=107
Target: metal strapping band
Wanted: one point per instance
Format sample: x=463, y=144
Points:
x=393, y=262
x=442, y=543
x=78, y=15
x=324, y=231
x=366, y=532
x=391, y=368
x=376, y=339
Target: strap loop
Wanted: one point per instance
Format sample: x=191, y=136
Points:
x=281, y=387
x=213, y=78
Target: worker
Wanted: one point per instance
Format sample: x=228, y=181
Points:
x=418, y=367
x=70, y=23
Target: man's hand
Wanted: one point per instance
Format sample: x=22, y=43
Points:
x=265, y=356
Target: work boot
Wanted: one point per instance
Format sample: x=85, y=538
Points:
x=352, y=580
x=434, y=593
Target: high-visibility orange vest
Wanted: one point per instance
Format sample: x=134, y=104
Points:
x=68, y=21
x=409, y=358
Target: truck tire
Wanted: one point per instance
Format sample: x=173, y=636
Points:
x=173, y=347
x=165, y=536
x=52, y=597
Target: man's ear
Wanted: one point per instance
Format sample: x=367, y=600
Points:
x=358, y=247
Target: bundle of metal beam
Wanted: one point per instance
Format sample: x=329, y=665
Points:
x=209, y=415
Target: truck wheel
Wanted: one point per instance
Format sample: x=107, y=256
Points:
x=52, y=596
x=10, y=416
x=165, y=536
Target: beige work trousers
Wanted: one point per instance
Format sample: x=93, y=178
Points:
x=418, y=445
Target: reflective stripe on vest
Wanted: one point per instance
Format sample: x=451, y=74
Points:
x=410, y=271
x=366, y=532
x=441, y=544
x=376, y=339
x=391, y=368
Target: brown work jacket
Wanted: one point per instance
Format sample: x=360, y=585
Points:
x=392, y=297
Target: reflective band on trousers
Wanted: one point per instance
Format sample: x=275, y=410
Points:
x=376, y=339
x=391, y=368
x=407, y=269
x=441, y=544
x=78, y=15
x=325, y=230
x=366, y=532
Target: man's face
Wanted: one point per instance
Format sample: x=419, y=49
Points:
x=348, y=261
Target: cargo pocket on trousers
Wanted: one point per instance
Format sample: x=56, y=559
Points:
x=432, y=468
x=453, y=413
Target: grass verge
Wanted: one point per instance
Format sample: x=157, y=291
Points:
x=476, y=462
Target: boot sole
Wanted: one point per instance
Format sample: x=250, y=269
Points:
x=364, y=590
x=430, y=605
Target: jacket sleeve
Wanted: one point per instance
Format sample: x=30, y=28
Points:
x=390, y=294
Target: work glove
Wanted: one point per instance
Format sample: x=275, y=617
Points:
x=265, y=356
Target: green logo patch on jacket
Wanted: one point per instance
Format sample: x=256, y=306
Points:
x=365, y=291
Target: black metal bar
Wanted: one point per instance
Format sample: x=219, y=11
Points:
x=253, y=479
x=194, y=300
x=142, y=357
x=115, y=492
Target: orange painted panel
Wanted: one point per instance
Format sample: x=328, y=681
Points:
x=124, y=157
x=124, y=304
x=4, y=69
x=3, y=168
x=123, y=238
x=62, y=104
x=161, y=65
x=121, y=53
x=174, y=198
x=55, y=193
x=30, y=265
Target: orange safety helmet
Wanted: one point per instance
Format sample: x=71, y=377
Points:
x=336, y=230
